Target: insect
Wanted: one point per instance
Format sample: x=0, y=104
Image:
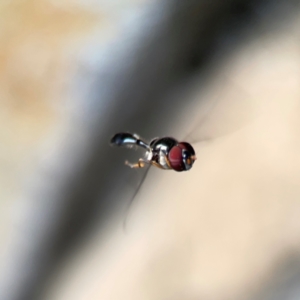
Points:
x=165, y=153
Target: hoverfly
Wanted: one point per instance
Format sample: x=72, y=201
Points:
x=165, y=153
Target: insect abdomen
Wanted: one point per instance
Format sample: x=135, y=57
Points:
x=127, y=139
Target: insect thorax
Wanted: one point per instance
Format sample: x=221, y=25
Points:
x=160, y=150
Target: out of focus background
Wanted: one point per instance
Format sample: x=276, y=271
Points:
x=221, y=74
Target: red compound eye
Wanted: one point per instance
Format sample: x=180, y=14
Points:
x=175, y=158
x=182, y=157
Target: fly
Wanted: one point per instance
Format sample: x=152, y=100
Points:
x=164, y=153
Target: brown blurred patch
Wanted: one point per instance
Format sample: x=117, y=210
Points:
x=34, y=37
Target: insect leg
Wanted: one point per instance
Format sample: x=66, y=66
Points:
x=140, y=164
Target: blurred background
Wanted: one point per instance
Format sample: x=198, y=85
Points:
x=223, y=75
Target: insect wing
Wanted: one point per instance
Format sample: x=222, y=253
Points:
x=138, y=188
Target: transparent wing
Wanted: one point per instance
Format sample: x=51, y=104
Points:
x=223, y=114
x=230, y=109
x=127, y=211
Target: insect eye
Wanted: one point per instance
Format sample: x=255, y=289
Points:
x=181, y=157
x=188, y=147
x=176, y=157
